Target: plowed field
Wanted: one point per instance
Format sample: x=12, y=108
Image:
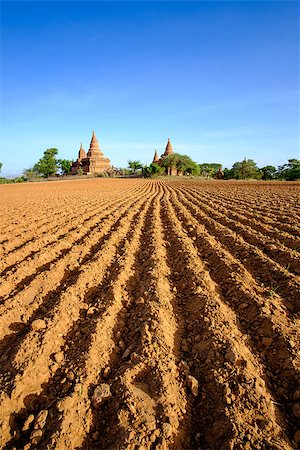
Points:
x=150, y=315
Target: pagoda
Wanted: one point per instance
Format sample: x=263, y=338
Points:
x=93, y=162
x=168, y=151
x=155, y=158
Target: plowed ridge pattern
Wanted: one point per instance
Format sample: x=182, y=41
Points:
x=150, y=314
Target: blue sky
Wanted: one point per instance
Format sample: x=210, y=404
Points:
x=221, y=79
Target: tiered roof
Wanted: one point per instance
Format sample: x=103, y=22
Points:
x=94, y=149
x=169, y=149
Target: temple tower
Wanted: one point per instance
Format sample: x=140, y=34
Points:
x=169, y=149
x=155, y=158
x=92, y=162
x=81, y=153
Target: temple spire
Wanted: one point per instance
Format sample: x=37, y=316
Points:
x=81, y=153
x=155, y=158
x=169, y=149
x=94, y=146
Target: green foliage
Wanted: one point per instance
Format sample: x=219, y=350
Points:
x=5, y=180
x=246, y=169
x=48, y=164
x=80, y=171
x=152, y=171
x=1, y=166
x=135, y=165
x=209, y=169
x=12, y=180
x=30, y=174
x=65, y=166
x=290, y=171
x=183, y=163
x=268, y=172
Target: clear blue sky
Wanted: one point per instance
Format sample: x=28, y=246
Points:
x=221, y=79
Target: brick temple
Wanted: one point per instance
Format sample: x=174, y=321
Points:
x=168, y=151
x=92, y=162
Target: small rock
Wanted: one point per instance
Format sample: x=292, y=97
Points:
x=296, y=410
x=40, y=419
x=297, y=437
x=36, y=437
x=267, y=341
x=126, y=353
x=17, y=435
x=101, y=395
x=28, y=422
x=59, y=357
x=296, y=395
x=193, y=385
x=106, y=372
x=38, y=324
x=95, y=435
x=91, y=311
x=167, y=430
x=231, y=356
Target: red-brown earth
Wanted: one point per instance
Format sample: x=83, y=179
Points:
x=150, y=315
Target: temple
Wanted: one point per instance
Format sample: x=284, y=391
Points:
x=168, y=151
x=93, y=162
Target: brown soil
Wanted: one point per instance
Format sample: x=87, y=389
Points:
x=150, y=315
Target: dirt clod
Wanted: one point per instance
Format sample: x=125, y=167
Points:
x=101, y=394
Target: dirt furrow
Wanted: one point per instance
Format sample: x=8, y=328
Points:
x=237, y=217
x=151, y=395
x=276, y=278
x=37, y=232
x=46, y=343
x=272, y=337
x=39, y=226
x=27, y=270
x=27, y=313
x=217, y=355
x=44, y=238
x=87, y=348
x=287, y=258
x=281, y=222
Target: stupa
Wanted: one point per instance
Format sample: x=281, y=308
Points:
x=93, y=162
x=155, y=158
x=168, y=151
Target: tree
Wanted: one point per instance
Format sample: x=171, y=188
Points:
x=48, y=164
x=152, y=171
x=182, y=163
x=167, y=162
x=30, y=174
x=135, y=165
x=187, y=166
x=1, y=166
x=290, y=171
x=245, y=169
x=65, y=166
x=209, y=169
x=268, y=172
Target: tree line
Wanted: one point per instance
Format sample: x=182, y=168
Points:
x=49, y=165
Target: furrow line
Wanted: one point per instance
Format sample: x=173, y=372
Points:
x=286, y=239
x=81, y=352
x=274, y=250
x=276, y=279
x=216, y=355
x=45, y=290
x=26, y=269
x=282, y=223
x=270, y=334
x=42, y=230
x=46, y=343
x=151, y=396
